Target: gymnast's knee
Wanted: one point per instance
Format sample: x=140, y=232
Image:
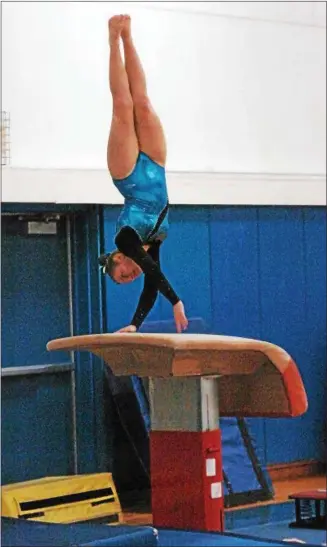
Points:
x=142, y=107
x=123, y=107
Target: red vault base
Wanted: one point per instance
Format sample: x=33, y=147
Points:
x=186, y=480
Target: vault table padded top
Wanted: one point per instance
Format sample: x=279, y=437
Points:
x=257, y=378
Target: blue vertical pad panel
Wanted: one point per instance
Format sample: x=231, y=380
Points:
x=235, y=279
x=234, y=271
x=186, y=262
x=314, y=373
x=282, y=282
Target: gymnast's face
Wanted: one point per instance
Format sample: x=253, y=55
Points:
x=126, y=270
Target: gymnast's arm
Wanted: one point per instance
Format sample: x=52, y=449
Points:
x=129, y=243
x=150, y=292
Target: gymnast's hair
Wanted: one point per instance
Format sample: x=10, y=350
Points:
x=107, y=261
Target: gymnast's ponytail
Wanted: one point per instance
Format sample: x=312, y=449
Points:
x=107, y=263
x=102, y=261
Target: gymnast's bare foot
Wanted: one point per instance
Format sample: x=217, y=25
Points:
x=126, y=32
x=115, y=26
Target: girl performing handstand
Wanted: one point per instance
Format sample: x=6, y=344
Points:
x=136, y=158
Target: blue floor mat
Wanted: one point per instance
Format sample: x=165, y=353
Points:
x=174, y=538
x=19, y=533
x=255, y=516
x=271, y=522
x=281, y=531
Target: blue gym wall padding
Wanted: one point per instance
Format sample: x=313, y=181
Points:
x=245, y=478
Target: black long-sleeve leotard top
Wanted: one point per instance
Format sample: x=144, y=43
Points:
x=129, y=243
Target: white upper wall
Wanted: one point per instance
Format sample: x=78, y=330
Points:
x=240, y=87
x=306, y=13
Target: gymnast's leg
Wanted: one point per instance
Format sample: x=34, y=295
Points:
x=123, y=146
x=148, y=127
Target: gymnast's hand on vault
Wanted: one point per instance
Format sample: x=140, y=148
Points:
x=180, y=317
x=129, y=328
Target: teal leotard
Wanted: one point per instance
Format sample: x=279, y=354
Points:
x=146, y=200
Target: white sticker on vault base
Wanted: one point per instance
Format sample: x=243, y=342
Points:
x=216, y=490
x=210, y=467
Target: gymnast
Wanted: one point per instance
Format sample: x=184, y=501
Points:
x=136, y=157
